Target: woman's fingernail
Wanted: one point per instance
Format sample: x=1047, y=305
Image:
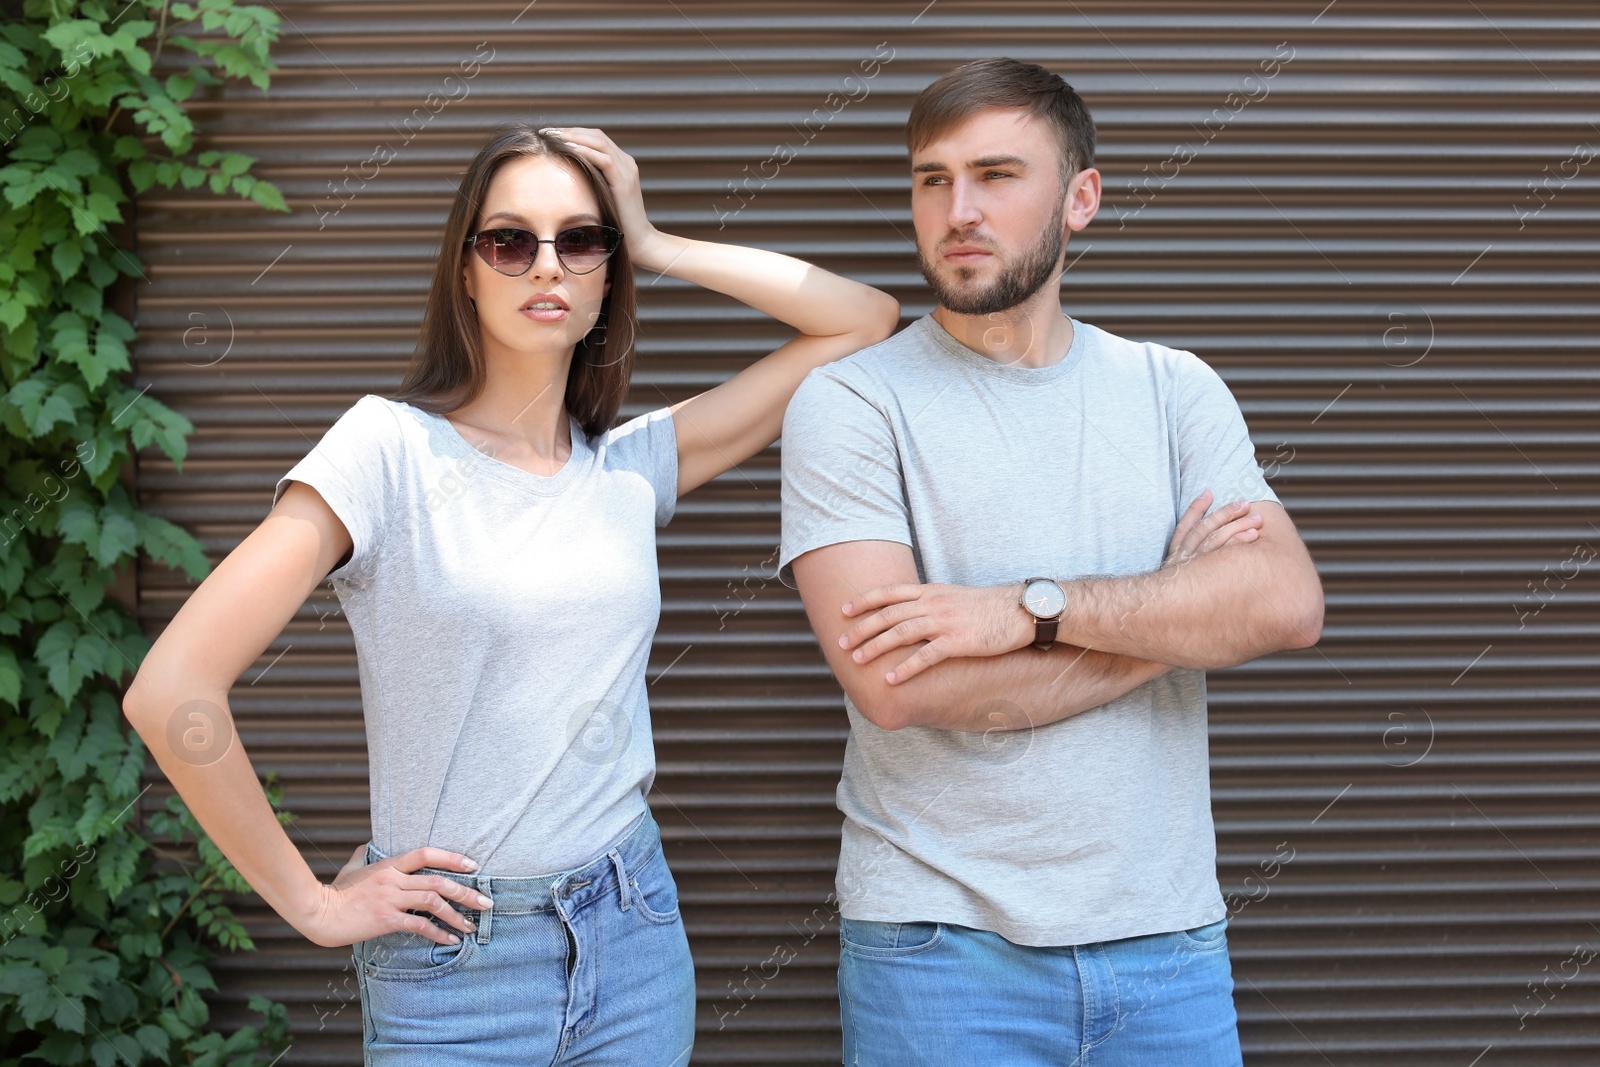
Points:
x=469, y=865
x=455, y=939
x=484, y=902
x=844, y=642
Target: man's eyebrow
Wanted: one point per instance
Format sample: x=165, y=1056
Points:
x=568, y=221
x=977, y=164
x=998, y=161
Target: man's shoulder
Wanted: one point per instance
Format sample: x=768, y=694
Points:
x=1116, y=350
x=877, y=366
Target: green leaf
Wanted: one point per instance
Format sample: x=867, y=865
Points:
x=151, y=421
x=267, y=195
x=41, y=407
x=67, y=257
x=172, y=545
x=180, y=87
x=119, y=537
x=54, y=653
x=103, y=208
x=10, y=677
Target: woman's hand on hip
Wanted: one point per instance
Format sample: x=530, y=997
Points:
x=369, y=899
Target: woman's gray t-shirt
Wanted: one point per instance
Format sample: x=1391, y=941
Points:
x=502, y=622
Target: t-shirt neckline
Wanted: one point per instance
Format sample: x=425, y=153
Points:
x=1068, y=364
x=543, y=484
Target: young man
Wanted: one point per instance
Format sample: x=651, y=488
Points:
x=985, y=517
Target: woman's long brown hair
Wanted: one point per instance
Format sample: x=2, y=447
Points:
x=446, y=369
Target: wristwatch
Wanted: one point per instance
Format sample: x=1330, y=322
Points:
x=1045, y=600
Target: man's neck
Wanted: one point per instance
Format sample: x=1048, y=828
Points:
x=1035, y=333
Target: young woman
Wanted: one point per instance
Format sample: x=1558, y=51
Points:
x=491, y=536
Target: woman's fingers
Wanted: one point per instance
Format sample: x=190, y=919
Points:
x=429, y=901
x=452, y=890
x=428, y=856
x=601, y=148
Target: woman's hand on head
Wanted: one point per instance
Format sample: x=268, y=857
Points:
x=622, y=174
x=370, y=899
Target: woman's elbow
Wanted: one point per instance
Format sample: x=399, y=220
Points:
x=886, y=318
x=137, y=704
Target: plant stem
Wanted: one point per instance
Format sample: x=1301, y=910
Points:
x=212, y=877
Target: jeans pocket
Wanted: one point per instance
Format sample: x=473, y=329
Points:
x=653, y=890
x=880, y=940
x=405, y=956
x=1206, y=938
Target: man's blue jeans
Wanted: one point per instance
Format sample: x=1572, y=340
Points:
x=941, y=995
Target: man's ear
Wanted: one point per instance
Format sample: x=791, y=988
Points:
x=1083, y=198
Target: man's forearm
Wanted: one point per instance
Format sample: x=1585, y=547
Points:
x=1020, y=689
x=1215, y=610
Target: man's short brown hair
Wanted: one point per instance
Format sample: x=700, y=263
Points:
x=1004, y=82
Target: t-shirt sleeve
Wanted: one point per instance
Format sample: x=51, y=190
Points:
x=354, y=468
x=1214, y=447
x=841, y=471
x=648, y=444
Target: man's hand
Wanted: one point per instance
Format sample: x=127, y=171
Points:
x=955, y=620
x=1198, y=533
x=962, y=620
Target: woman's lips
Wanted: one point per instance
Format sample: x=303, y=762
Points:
x=545, y=314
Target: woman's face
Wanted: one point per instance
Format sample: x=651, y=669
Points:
x=545, y=195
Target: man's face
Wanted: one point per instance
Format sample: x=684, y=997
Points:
x=990, y=212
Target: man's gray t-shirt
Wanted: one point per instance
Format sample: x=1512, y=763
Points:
x=502, y=622
x=1090, y=829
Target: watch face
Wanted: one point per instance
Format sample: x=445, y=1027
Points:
x=1045, y=600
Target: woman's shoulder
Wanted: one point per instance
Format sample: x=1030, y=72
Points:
x=378, y=420
x=641, y=435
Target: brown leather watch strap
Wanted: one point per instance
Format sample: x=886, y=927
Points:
x=1044, y=632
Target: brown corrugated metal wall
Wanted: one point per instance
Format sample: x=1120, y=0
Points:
x=1378, y=221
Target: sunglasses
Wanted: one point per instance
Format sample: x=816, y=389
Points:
x=511, y=250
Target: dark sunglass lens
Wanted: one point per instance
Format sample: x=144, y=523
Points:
x=584, y=246
x=509, y=251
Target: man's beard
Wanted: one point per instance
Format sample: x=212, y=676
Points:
x=1017, y=281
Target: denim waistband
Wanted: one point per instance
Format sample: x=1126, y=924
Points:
x=564, y=891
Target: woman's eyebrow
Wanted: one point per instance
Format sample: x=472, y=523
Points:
x=568, y=221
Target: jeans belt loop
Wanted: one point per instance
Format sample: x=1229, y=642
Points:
x=485, y=915
x=622, y=879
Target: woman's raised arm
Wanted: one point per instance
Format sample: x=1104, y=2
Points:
x=835, y=316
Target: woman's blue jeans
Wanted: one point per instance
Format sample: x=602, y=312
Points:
x=588, y=966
